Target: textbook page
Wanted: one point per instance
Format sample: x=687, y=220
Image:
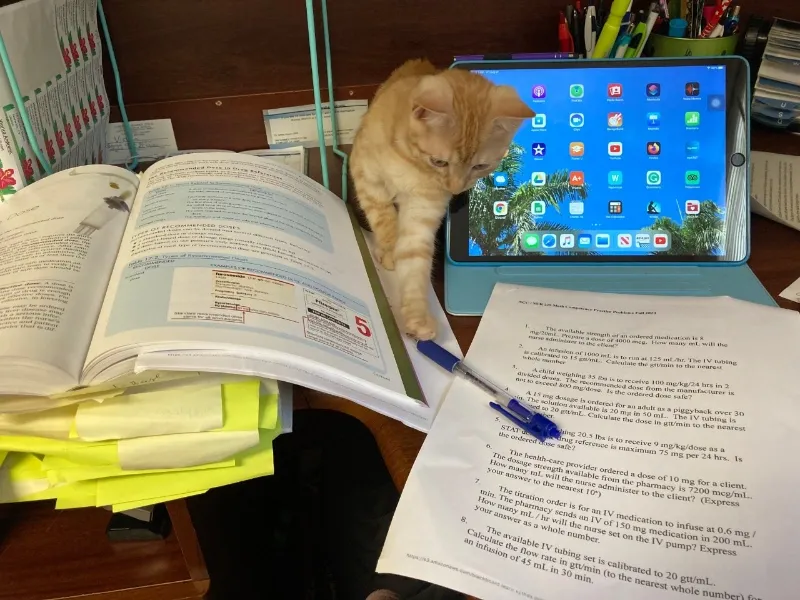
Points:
x=675, y=476
x=228, y=251
x=58, y=241
x=773, y=180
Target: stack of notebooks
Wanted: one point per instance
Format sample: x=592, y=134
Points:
x=165, y=436
x=776, y=98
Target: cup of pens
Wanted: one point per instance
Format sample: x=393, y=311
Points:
x=664, y=45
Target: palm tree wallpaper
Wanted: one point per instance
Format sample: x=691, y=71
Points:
x=504, y=236
x=696, y=235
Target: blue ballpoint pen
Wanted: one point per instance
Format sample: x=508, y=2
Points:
x=529, y=421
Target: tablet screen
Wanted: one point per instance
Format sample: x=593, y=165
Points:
x=621, y=163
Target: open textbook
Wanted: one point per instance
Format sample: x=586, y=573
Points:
x=218, y=262
x=676, y=472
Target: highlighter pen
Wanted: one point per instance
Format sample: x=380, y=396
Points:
x=650, y=23
x=636, y=39
x=611, y=28
x=530, y=421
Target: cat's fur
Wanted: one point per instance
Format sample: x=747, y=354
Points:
x=427, y=135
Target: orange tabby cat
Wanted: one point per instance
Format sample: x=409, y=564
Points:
x=427, y=135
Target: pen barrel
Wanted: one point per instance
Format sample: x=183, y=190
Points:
x=439, y=355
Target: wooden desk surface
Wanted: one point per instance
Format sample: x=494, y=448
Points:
x=775, y=259
x=47, y=554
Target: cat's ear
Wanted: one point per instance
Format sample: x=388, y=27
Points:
x=509, y=110
x=432, y=101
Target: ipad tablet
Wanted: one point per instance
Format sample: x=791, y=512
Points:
x=626, y=161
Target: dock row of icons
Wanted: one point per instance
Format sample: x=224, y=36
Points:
x=538, y=241
x=615, y=120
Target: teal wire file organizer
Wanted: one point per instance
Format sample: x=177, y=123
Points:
x=52, y=121
x=312, y=46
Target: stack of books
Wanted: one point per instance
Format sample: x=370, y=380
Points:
x=165, y=437
x=776, y=97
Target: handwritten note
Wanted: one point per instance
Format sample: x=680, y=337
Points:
x=675, y=475
x=154, y=139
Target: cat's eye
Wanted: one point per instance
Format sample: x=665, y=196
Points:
x=438, y=162
x=480, y=167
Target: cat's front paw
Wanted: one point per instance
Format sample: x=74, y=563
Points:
x=385, y=257
x=419, y=324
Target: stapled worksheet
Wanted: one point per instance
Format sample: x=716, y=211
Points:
x=676, y=472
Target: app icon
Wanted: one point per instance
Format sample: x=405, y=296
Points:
x=653, y=148
x=576, y=90
x=660, y=240
x=549, y=240
x=654, y=178
x=538, y=178
x=716, y=102
x=538, y=207
x=576, y=149
x=530, y=241
x=693, y=148
x=602, y=240
x=615, y=207
x=615, y=178
x=576, y=119
x=584, y=240
x=539, y=121
x=500, y=179
x=615, y=119
x=642, y=240
x=624, y=240
x=692, y=119
x=576, y=178
x=653, y=208
x=567, y=240
x=539, y=91
x=693, y=88
x=614, y=90
x=653, y=119
x=615, y=148
x=500, y=208
x=653, y=90
x=692, y=207
x=539, y=149
x=576, y=207
x=692, y=178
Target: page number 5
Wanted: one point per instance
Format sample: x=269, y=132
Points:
x=362, y=327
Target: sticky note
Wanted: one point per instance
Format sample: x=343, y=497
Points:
x=62, y=471
x=91, y=453
x=240, y=407
x=255, y=462
x=148, y=501
x=54, y=423
x=186, y=409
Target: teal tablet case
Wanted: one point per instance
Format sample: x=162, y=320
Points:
x=467, y=287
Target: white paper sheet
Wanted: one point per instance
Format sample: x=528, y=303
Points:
x=154, y=139
x=183, y=409
x=774, y=189
x=183, y=450
x=298, y=124
x=677, y=469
